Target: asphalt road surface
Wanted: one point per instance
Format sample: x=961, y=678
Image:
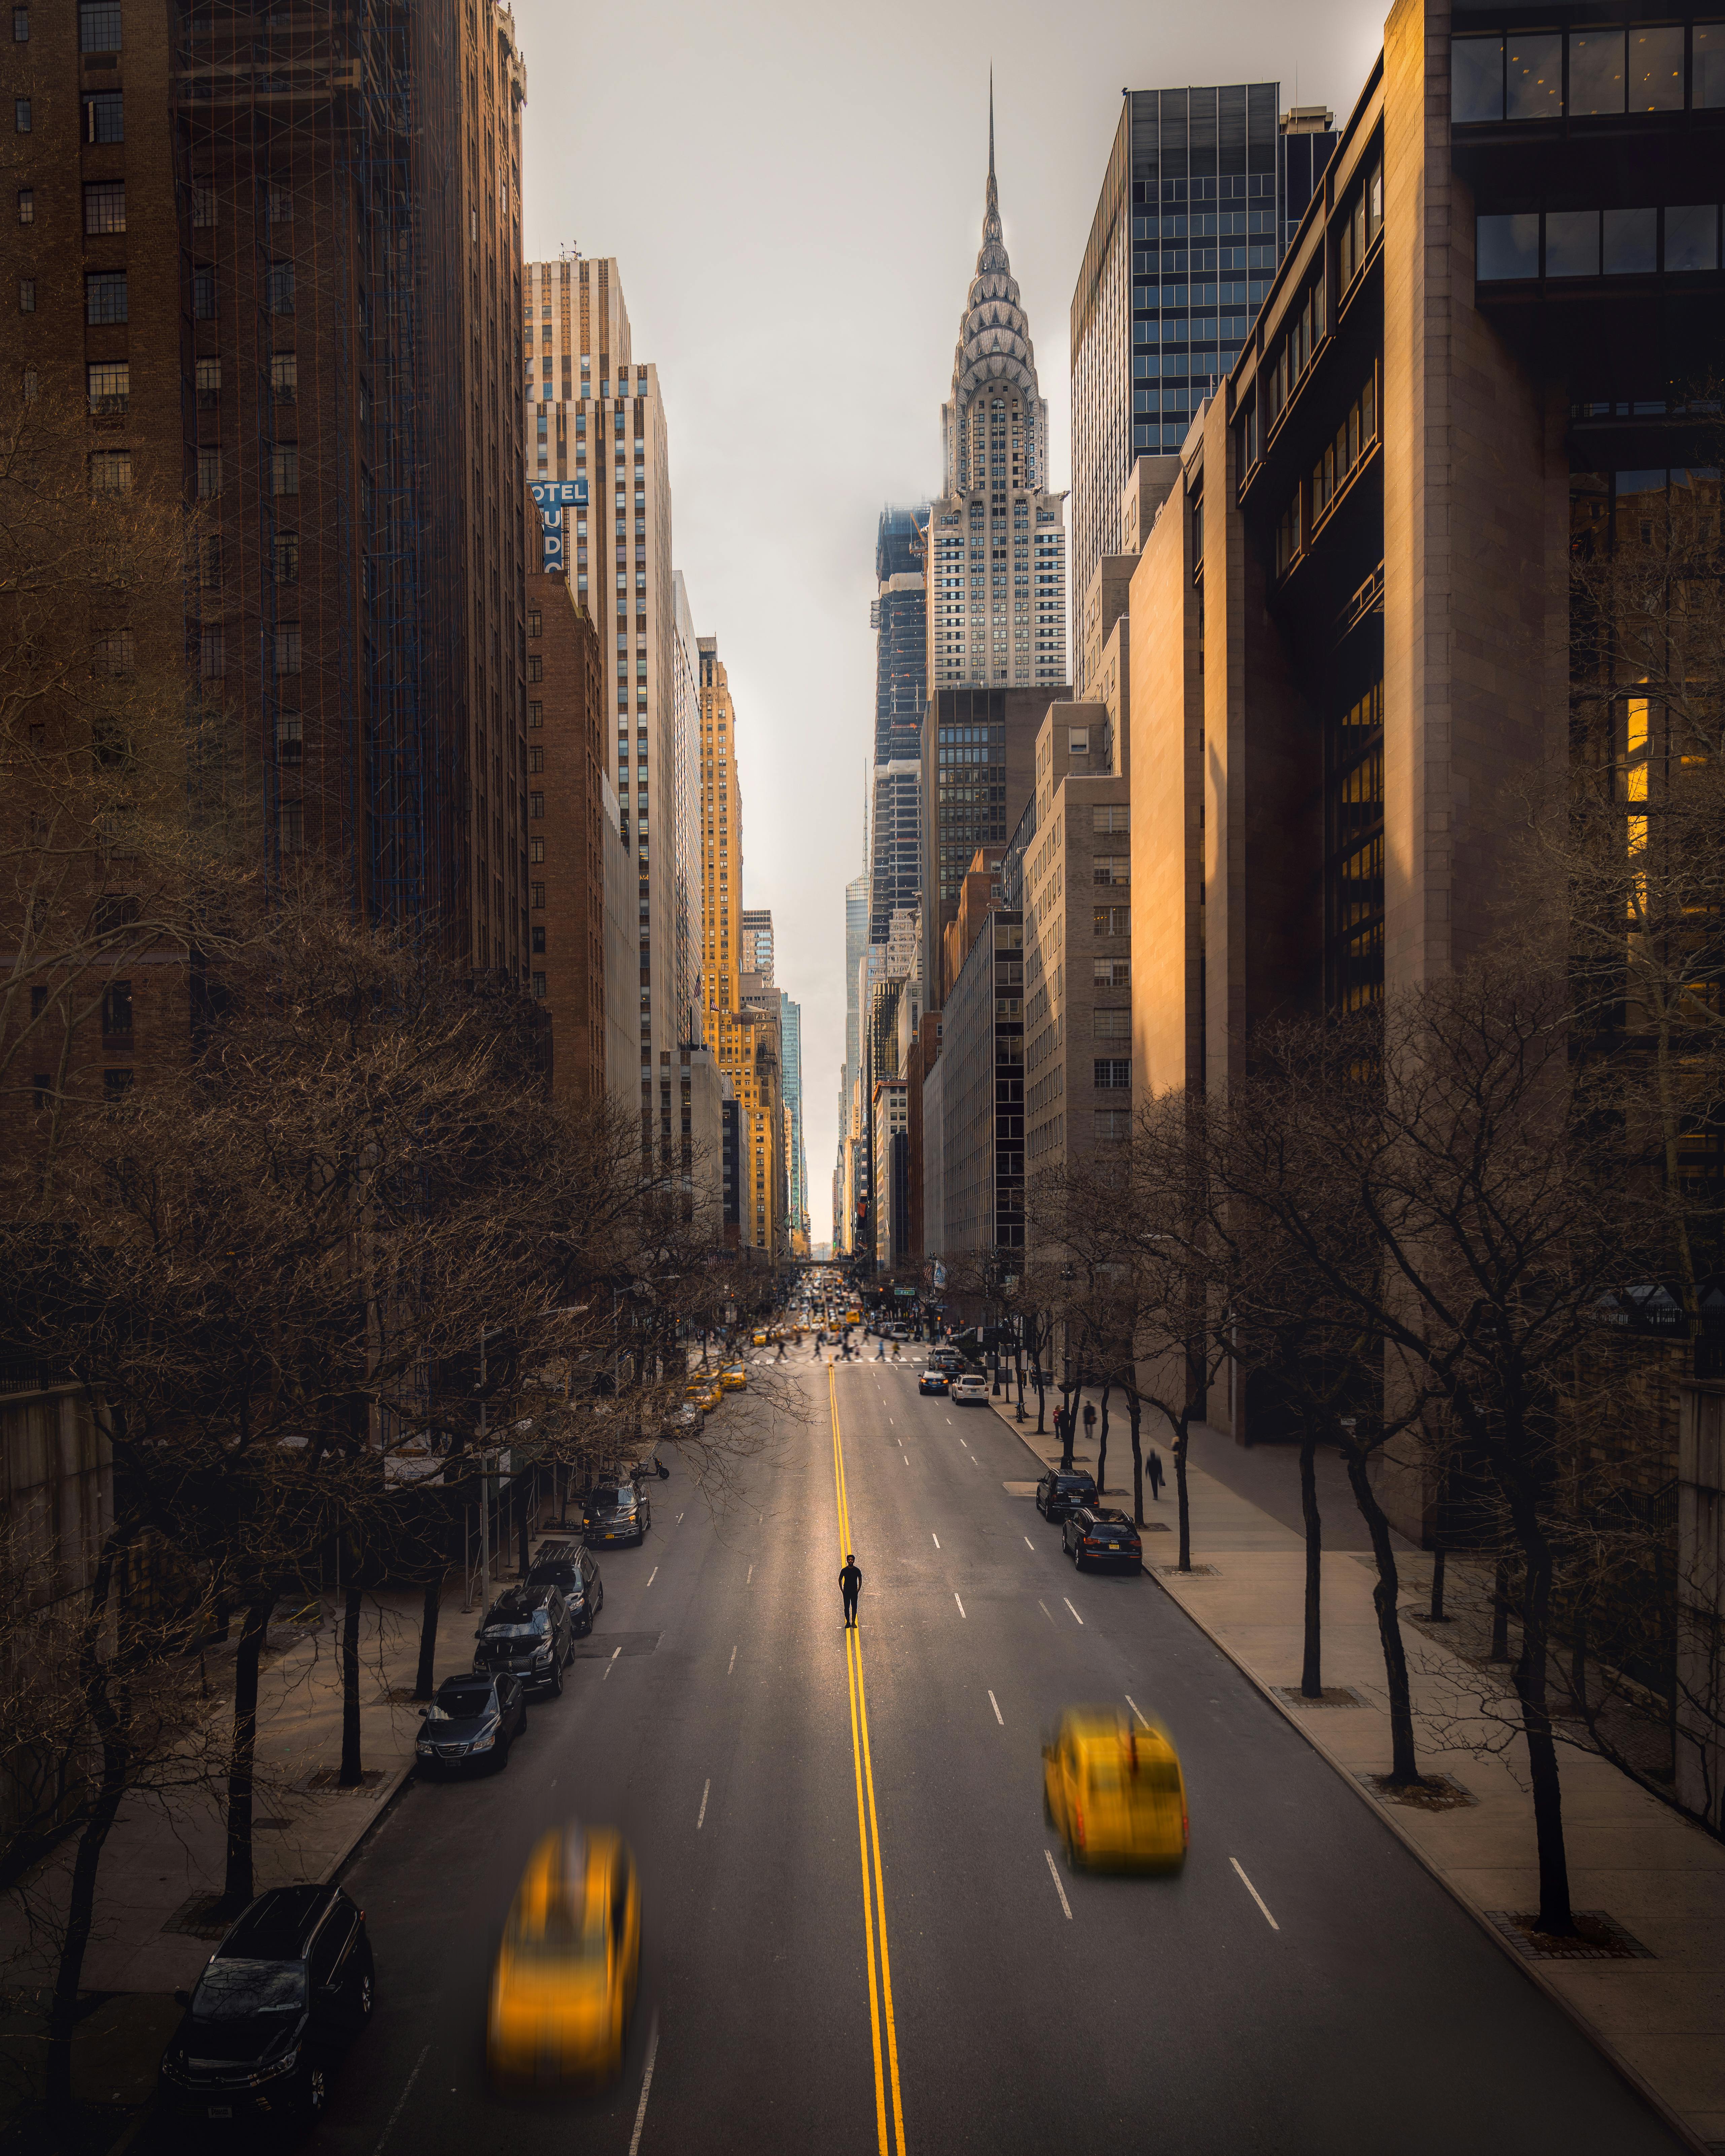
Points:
x=858, y=1934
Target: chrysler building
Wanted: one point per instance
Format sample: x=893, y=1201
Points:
x=997, y=542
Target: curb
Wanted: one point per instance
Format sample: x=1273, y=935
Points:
x=379, y=1806
x=1630, y=2075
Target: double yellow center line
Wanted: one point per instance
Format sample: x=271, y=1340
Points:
x=868, y=1835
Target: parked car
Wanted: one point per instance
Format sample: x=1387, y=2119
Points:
x=733, y=1378
x=1097, y=1534
x=932, y=1379
x=1062, y=1488
x=971, y=1390
x=472, y=1722
x=563, y=1987
x=682, y=1420
x=526, y=1634
x=290, y=1986
x=617, y=1512
x=1115, y=1795
x=567, y=1566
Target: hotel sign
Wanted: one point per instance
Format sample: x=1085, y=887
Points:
x=553, y=497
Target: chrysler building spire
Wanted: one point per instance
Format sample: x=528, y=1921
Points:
x=994, y=497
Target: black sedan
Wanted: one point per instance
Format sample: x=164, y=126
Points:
x=472, y=1722
x=279, y=2002
x=1097, y=1534
x=1062, y=1488
x=933, y=1379
x=567, y=1566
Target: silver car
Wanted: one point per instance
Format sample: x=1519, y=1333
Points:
x=971, y=1387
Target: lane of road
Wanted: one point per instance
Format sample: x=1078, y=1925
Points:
x=817, y=1814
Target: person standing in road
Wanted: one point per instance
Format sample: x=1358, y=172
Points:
x=1155, y=1476
x=849, y=1587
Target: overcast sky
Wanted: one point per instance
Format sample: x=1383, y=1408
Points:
x=793, y=193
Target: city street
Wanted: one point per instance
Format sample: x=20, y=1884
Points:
x=1303, y=1986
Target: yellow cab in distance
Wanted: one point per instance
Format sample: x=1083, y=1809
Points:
x=734, y=1379
x=758, y=1340
x=564, y=1985
x=1114, y=1794
x=705, y=1393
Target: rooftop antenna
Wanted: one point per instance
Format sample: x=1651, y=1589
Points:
x=991, y=120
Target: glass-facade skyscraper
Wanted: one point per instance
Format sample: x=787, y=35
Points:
x=899, y=618
x=1192, y=219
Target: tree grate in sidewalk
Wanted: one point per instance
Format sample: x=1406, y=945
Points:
x=326, y=1781
x=1599, y=1937
x=1192, y=1570
x=1432, y=1792
x=198, y=1917
x=601, y=1646
x=1331, y=1696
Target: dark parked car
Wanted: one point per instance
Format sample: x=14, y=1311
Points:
x=1096, y=1534
x=1062, y=1488
x=527, y=1635
x=472, y=1722
x=933, y=1379
x=567, y=1566
x=617, y=1512
x=279, y=2002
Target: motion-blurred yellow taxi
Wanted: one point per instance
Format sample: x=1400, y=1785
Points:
x=564, y=1986
x=758, y=1340
x=734, y=1379
x=1113, y=1790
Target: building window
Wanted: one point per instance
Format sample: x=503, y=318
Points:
x=290, y=826
x=535, y=759
x=278, y=204
x=536, y=620
x=116, y=1014
x=208, y=382
x=539, y=985
x=291, y=742
x=27, y=205
x=41, y=1088
x=99, y=26
x=109, y=386
x=210, y=562
x=535, y=852
x=536, y=805
x=27, y=295
x=285, y=377
x=537, y=935
x=203, y=292
x=536, y=667
x=21, y=26
x=110, y=471
x=1113, y=921
x=1112, y=1024
x=536, y=715
x=280, y=288
x=104, y=206
x=204, y=207
x=212, y=654
x=1111, y=1124
x=287, y=558
x=104, y=116
x=115, y=1086
x=209, y=473
x=1112, y=1072
x=104, y=295
x=285, y=469
x=1112, y=868
x=21, y=115
x=1110, y=818
x=538, y=891
x=287, y=649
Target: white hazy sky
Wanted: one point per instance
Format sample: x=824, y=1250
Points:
x=794, y=196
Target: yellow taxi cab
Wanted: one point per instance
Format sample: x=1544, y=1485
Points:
x=1114, y=1792
x=705, y=1394
x=564, y=1985
x=758, y=1340
x=734, y=1379
x=853, y=1317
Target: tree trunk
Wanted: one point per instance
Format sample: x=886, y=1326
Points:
x=108, y=1701
x=1064, y=1419
x=423, y=1684
x=1041, y=1397
x=1312, y=1682
x=1181, y=1505
x=1532, y=1683
x=1403, y=1765
x=1102, y=1449
x=350, y=1770
x=1132, y=1424
x=237, y=1887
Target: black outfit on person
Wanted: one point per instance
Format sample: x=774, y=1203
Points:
x=849, y=1586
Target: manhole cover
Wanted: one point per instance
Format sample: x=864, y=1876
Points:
x=601, y=1646
x=1192, y=1570
x=1331, y=1696
x=1598, y=1937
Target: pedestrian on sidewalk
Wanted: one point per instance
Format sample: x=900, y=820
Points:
x=1155, y=1476
x=849, y=1587
x=1090, y=1422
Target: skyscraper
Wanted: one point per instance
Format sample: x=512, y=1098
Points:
x=900, y=618
x=1189, y=228
x=595, y=415
x=757, y=943
x=790, y=1035
x=996, y=568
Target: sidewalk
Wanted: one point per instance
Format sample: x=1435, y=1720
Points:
x=165, y=1858
x=1654, y=2003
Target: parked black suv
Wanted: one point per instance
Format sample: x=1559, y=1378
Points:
x=617, y=1512
x=527, y=1635
x=567, y=1566
x=1061, y=1489
x=472, y=1722
x=279, y=2002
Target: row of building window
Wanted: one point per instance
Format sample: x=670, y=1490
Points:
x=1681, y=238
x=1595, y=71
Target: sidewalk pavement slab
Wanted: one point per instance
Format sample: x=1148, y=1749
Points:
x=1660, y=2020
